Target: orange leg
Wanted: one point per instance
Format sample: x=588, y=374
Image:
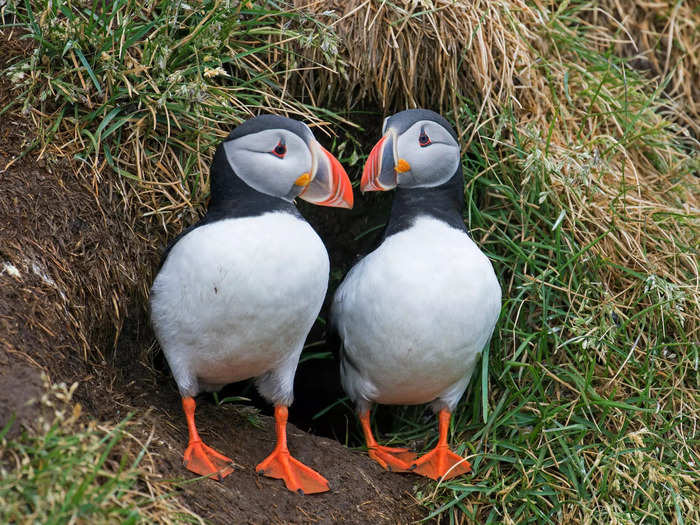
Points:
x=441, y=462
x=393, y=459
x=281, y=465
x=200, y=458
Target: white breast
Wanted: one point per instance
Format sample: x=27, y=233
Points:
x=238, y=296
x=415, y=314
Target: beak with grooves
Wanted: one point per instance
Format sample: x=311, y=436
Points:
x=381, y=169
x=328, y=184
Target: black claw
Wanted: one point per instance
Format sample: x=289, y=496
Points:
x=388, y=467
x=300, y=492
x=413, y=467
x=261, y=472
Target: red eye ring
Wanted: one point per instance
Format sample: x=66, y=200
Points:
x=424, y=139
x=280, y=150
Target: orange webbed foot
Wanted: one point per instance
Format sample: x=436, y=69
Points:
x=297, y=476
x=392, y=459
x=199, y=458
x=205, y=461
x=441, y=464
x=281, y=465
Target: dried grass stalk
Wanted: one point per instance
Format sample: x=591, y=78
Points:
x=616, y=147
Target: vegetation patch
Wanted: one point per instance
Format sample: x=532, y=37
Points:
x=148, y=88
x=69, y=469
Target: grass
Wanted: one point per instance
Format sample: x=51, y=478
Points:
x=581, y=187
x=586, y=406
x=147, y=89
x=65, y=471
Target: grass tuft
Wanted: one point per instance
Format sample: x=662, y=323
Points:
x=147, y=89
x=581, y=187
x=65, y=471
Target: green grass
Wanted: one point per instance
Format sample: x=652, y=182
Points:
x=148, y=89
x=586, y=406
x=572, y=419
x=67, y=471
x=587, y=403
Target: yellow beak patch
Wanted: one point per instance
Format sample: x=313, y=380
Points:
x=303, y=180
x=402, y=166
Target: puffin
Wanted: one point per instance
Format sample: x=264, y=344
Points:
x=414, y=315
x=238, y=292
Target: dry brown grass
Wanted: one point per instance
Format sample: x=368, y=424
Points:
x=78, y=256
x=663, y=38
x=432, y=53
x=543, y=96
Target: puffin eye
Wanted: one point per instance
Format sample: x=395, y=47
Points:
x=424, y=139
x=280, y=150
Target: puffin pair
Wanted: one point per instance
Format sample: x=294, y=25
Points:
x=238, y=292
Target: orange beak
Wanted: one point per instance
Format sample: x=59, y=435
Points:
x=330, y=185
x=379, y=173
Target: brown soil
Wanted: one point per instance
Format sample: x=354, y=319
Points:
x=361, y=492
x=72, y=287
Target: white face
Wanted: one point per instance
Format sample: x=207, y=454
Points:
x=271, y=161
x=431, y=153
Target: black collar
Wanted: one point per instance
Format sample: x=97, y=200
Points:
x=444, y=202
